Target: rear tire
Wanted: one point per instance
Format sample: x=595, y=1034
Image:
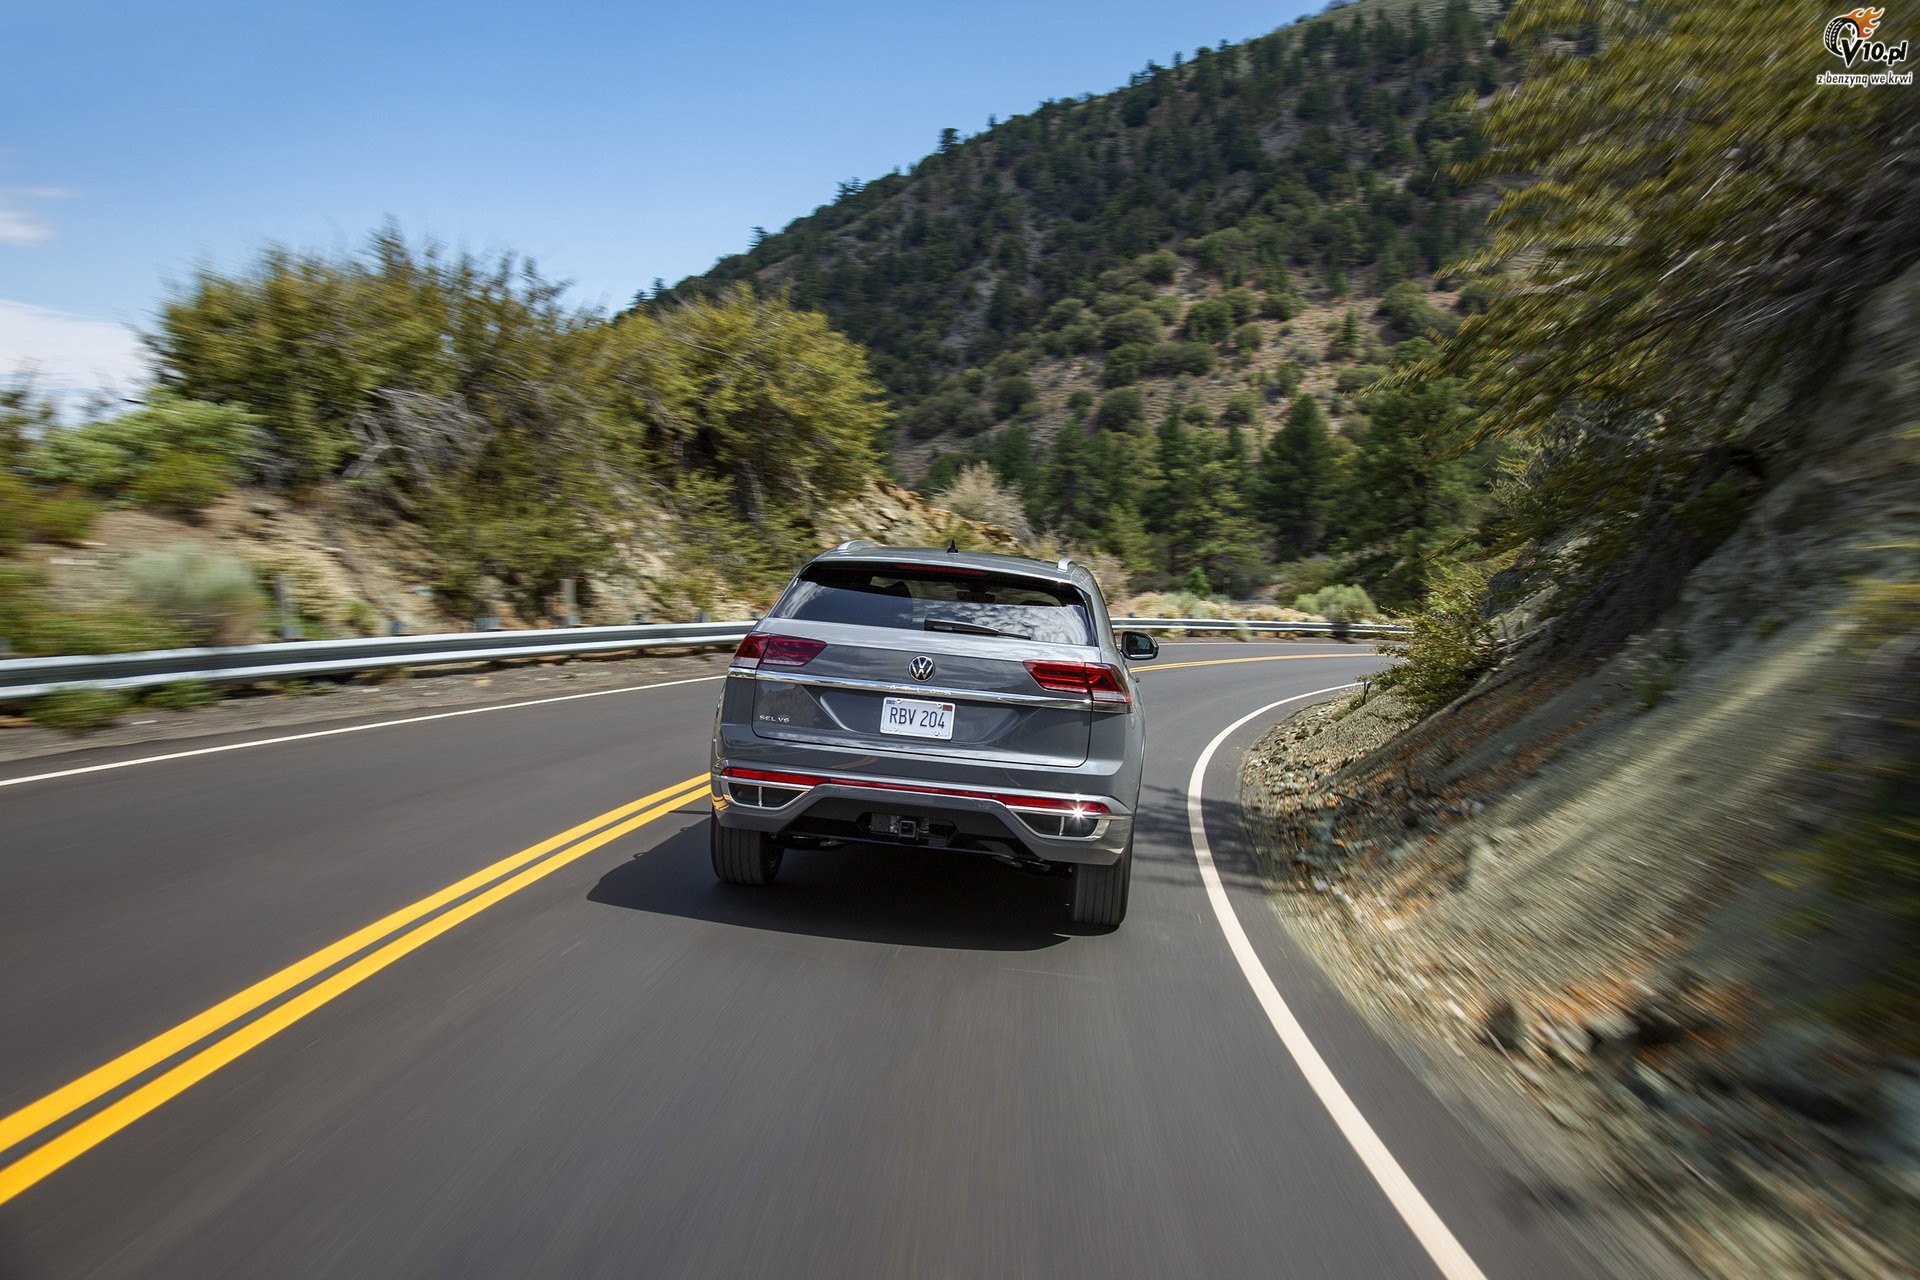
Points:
x=742, y=857
x=1100, y=893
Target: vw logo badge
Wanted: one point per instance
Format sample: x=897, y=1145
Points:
x=921, y=668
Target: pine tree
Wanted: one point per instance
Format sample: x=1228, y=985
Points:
x=1211, y=530
x=1295, y=482
x=1073, y=498
x=1346, y=342
x=1406, y=497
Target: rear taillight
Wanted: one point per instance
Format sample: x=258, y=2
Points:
x=1091, y=679
x=760, y=649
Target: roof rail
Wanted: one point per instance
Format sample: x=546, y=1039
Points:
x=856, y=544
x=1066, y=562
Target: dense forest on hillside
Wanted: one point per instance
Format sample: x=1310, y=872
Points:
x=1158, y=313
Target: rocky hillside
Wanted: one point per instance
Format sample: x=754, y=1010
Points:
x=1653, y=919
x=349, y=576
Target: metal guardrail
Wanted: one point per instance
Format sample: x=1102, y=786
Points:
x=26, y=678
x=1258, y=626
x=23, y=679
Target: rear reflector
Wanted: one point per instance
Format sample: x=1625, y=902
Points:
x=775, y=779
x=1091, y=679
x=776, y=651
x=1012, y=799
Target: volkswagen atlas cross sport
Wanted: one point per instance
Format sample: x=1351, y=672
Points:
x=934, y=699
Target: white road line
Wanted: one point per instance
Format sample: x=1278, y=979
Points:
x=352, y=728
x=1446, y=1252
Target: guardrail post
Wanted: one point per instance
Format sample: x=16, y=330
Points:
x=569, y=604
x=283, y=600
x=703, y=616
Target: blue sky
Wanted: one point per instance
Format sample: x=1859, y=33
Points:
x=613, y=143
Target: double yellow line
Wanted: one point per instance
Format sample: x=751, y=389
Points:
x=417, y=924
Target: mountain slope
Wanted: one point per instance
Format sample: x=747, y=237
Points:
x=1199, y=236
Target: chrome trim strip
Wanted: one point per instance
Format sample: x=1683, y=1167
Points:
x=923, y=691
x=924, y=785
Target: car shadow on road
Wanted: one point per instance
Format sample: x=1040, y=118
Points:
x=862, y=893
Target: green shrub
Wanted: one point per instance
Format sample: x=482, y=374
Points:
x=1167, y=307
x=1014, y=395
x=1242, y=409
x=16, y=497
x=1242, y=303
x=85, y=457
x=1247, y=339
x=1158, y=267
x=63, y=517
x=78, y=710
x=181, y=695
x=1120, y=407
x=213, y=598
x=19, y=597
x=362, y=618
x=183, y=482
x=1305, y=576
x=1406, y=307
x=1166, y=359
x=1450, y=642
x=27, y=513
x=57, y=633
x=1076, y=339
x=1123, y=365
x=1063, y=313
x=1338, y=602
x=1277, y=306
x=1136, y=325
x=1651, y=684
x=109, y=458
x=1209, y=320
x=38, y=631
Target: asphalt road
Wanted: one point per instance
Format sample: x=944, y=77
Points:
x=597, y=1061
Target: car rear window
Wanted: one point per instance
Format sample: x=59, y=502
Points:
x=933, y=598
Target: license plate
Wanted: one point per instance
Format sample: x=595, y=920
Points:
x=916, y=719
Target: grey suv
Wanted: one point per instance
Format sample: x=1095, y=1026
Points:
x=940, y=699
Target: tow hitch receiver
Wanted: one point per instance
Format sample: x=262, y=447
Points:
x=892, y=824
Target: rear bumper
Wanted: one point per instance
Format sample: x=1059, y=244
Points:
x=860, y=805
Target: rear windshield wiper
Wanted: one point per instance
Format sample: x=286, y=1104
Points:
x=969, y=628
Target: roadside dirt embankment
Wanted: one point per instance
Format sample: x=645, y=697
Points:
x=1648, y=922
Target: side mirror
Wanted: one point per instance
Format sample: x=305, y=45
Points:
x=1138, y=646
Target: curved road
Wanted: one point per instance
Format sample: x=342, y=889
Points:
x=460, y=997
